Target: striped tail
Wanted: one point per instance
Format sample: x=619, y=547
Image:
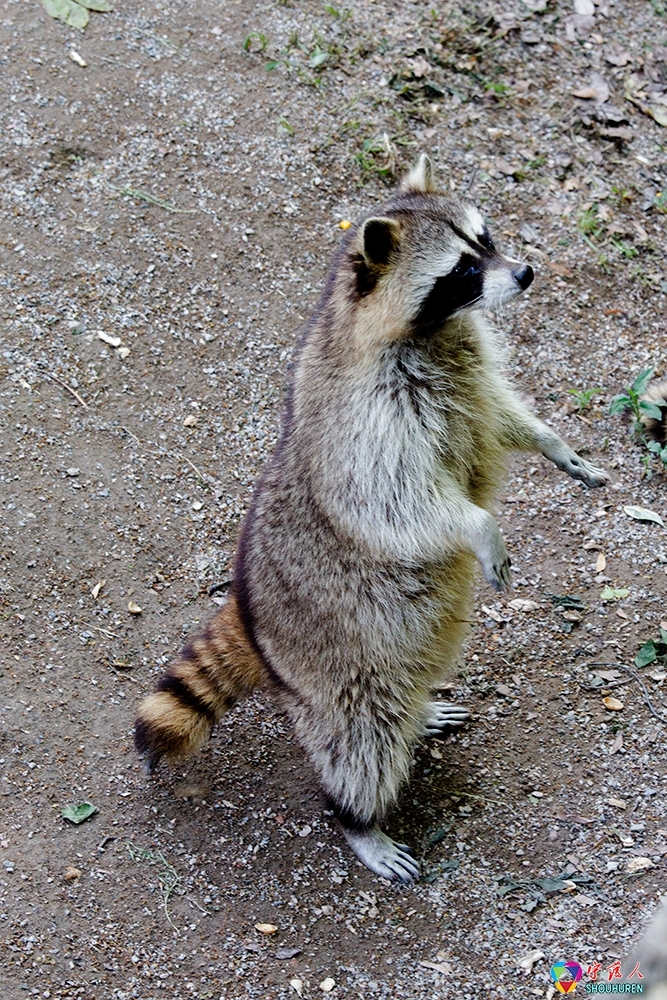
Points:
x=213, y=672
x=656, y=429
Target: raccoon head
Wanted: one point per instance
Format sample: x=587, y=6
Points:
x=429, y=257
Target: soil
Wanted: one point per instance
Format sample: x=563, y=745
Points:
x=182, y=193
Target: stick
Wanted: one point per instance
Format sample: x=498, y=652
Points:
x=69, y=389
x=637, y=678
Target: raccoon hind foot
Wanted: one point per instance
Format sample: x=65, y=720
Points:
x=383, y=855
x=443, y=716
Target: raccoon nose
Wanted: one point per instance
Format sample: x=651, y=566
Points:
x=524, y=276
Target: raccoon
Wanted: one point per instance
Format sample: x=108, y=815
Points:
x=654, y=428
x=355, y=568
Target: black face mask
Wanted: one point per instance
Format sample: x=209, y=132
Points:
x=451, y=292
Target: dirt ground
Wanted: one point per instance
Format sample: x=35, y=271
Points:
x=182, y=193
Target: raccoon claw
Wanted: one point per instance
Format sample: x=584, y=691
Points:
x=441, y=716
x=577, y=468
x=383, y=855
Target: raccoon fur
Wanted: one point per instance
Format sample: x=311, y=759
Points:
x=355, y=568
x=656, y=430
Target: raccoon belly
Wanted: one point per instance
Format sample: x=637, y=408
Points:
x=454, y=586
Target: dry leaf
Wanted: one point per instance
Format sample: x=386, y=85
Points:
x=267, y=929
x=658, y=675
x=584, y=900
x=96, y=589
x=617, y=803
x=608, y=675
x=613, y=704
x=600, y=563
x=655, y=105
x=297, y=986
x=597, y=90
x=618, y=58
x=643, y=514
x=639, y=865
x=520, y=604
x=445, y=968
x=529, y=960
x=560, y=269
x=72, y=873
x=133, y=608
x=617, y=744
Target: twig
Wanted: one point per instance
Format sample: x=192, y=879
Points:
x=152, y=200
x=193, y=466
x=130, y=434
x=200, y=908
x=636, y=677
x=472, y=795
x=69, y=389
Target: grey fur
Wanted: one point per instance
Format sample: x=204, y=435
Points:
x=355, y=570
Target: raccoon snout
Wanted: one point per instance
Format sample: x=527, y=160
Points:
x=523, y=276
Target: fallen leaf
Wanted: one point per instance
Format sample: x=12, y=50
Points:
x=571, y=616
x=494, y=615
x=297, y=986
x=608, y=675
x=72, y=873
x=613, y=704
x=443, y=967
x=614, y=593
x=643, y=514
x=617, y=803
x=635, y=92
x=267, y=929
x=77, y=814
x=529, y=960
x=597, y=90
x=584, y=900
x=658, y=675
x=505, y=690
x=617, y=744
x=618, y=58
x=600, y=563
x=639, y=865
x=286, y=953
x=133, y=608
x=68, y=11
x=96, y=589
x=521, y=604
x=560, y=269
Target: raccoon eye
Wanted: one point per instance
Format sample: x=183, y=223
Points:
x=467, y=267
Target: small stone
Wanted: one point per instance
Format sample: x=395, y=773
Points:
x=612, y=704
x=8, y=866
x=305, y=831
x=190, y=420
x=267, y=929
x=72, y=873
x=327, y=984
x=345, y=224
x=123, y=352
x=133, y=608
x=106, y=338
x=617, y=803
x=73, y=472
x=197, y=505
x=297, y=986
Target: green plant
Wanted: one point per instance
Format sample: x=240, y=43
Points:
x=584, y=397
x=624, y=248
x=258, y=38
x=630, y=401
x=654, y=649
x=588, y=222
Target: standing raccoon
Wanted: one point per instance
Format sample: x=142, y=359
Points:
x=354, y=572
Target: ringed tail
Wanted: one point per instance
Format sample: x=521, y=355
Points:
x=214, y=671
x=656, y=429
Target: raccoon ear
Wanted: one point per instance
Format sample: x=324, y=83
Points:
x=420, y=178
x=381, y=238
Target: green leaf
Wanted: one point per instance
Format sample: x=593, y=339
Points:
x=273, y=64
x=318, y=58
x=663, y=635
x=100, y=5
x=77, y=814
x=614, y=594
x=68, y=11
x=643, y=514
x=647, y=654
x=640, y=383
x=650, y=409
x=619, y=404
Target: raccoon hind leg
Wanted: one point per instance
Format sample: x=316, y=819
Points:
x=383, y=855
x=214, y=671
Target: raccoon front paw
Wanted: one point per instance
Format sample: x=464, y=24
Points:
x=441, y=716
x=383, y=855
x=494, y=560
x=579, y=468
